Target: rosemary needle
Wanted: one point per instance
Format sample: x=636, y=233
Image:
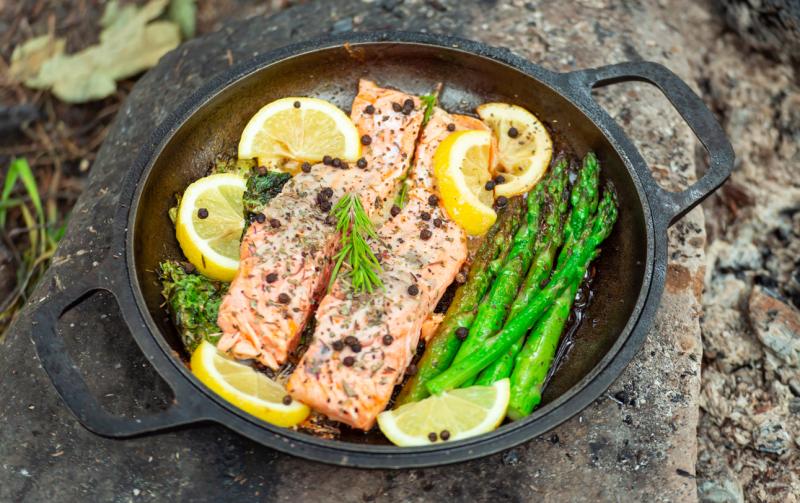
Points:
x=355, y=227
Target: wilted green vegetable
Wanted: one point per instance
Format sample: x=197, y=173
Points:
x=193, y=301
x=261, y=189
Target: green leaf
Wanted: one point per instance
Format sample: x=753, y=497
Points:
x=184, y=14
x=20, y=169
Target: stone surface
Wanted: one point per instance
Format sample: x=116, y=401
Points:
x=746, y=385
x=636, y=442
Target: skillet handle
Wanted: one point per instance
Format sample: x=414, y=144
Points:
x=71, y=386
x=674, y=205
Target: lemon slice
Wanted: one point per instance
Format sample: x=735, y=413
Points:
x=290, y=131
x=459, y=413
x=246, y=388
x=461, y=167
x=210, y=223
x=524, y=152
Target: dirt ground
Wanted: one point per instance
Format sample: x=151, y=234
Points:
x=749, y=433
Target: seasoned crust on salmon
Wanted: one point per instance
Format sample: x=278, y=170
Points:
x=285, y=261
x=420, y=260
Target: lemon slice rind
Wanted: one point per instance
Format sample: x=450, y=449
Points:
x=461, y=199
x=440, y=412
x=275, y=121
x=523, y=160
x=205, y=362
x=197, y=248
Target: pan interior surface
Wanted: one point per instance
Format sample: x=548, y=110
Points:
x=469, y=80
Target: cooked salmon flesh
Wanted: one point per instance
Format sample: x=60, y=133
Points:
x=285, y=261
x=363, y=343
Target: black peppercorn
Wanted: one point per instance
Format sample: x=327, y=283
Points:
x=437, y=222
x=202, y=213
x=433, y=200
x=408, y=103
x=411, y=370
x=369, y=109
x=388, y=340
x=348, y=361
x=489, y=185
x=395, y=210
x=287, y=400
x=260, y=218
x=327, y=192
x=325, y=206
x=274, y=223
x=432, y=436
x=337, y=345
x=513, y=132
x=444, y=435
x=272, y=277
x=366, y=139
x=355, y=348
x=397, y=107
x=420, y=346
x=462, y=333
x=350, y=340
x=425, y=234
x=306, y=167
x=413, y=290
x=284, y=298
x=501, y=201
x=327, y=160
x=499, y=179
x=297, y=104
x=336, y=163
x=425, y=216
x=451, y=127
x=361, y=163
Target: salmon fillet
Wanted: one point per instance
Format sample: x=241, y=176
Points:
x=353, y=383
x=285, y=261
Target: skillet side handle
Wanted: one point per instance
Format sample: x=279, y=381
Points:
x=69, y=383
x=691, y=108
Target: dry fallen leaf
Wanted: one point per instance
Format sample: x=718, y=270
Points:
x=130, y=43
x=27, y=59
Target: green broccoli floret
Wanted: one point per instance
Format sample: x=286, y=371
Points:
x=193, y=301
x=261, y=189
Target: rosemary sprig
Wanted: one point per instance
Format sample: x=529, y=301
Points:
x=355, y=227
x=429, y=100
x=402, y=195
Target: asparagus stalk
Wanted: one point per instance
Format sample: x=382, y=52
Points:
x=584, y=204
x=536, y=357
x=444, y=344
x=492, y=312
x=577, y=261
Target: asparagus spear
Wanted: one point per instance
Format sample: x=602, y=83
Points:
x=534, y=361
x=536, y=357
x=577, y=261
x=492, y=313
x=443, y=346
x=584, y=204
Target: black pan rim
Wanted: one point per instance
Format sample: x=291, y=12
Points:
x=345, y=453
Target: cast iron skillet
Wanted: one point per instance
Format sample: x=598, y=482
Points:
x=630, y=271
